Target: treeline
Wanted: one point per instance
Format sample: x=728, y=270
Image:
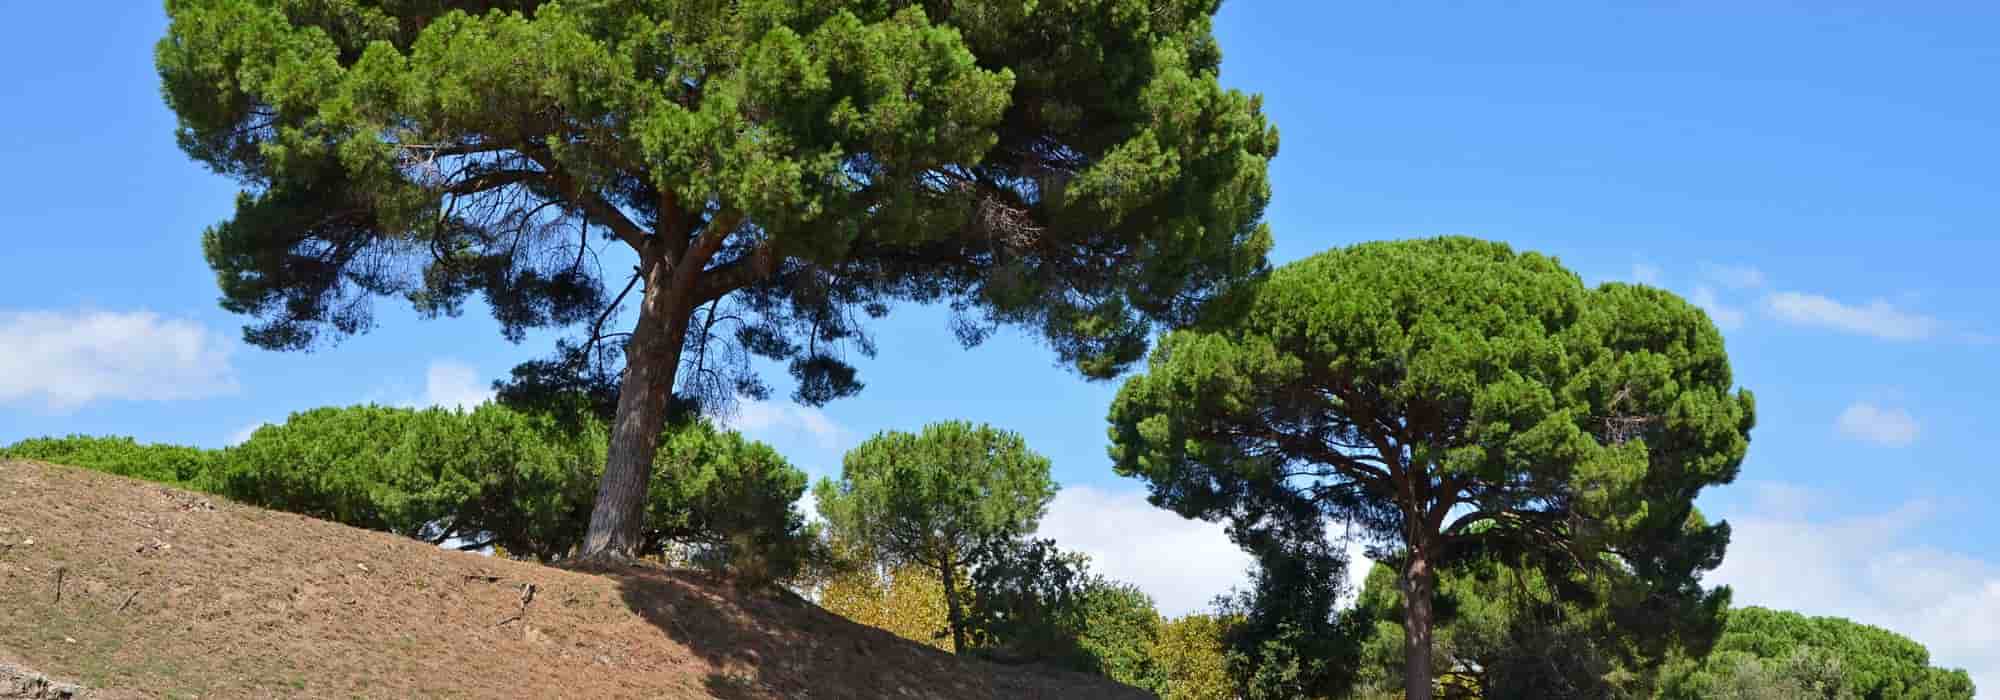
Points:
x=1505, y=632
x=518, y=481
x=929, y=536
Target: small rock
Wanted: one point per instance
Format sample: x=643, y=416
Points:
x=30, y=540
x=364, y=567
x=69, y=640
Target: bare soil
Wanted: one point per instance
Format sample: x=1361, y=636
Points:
x=133, y=589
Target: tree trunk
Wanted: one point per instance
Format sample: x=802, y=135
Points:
x=952, y=615
x=1419, y=584
x=652, y=358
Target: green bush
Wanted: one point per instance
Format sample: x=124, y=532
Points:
x=170, y=464
x=488, y=476
x=519, y=480
x=1833, y=657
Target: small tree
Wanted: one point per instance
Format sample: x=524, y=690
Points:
x=1193, y=658
x=778, y=172
x=927, y=499
x=729, y=500
x=1288, y=638
x=1449, y=397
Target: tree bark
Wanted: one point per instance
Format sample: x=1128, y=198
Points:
x=1419, y=584
x=952, y=615
x=652, y=358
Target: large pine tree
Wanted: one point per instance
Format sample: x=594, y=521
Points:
x=781, y=169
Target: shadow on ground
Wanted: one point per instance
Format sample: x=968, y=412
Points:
x=772, y=643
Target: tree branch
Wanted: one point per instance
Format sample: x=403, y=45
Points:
x=593, y=204
x=760, y=263
x=597, y=328
x=491, y=180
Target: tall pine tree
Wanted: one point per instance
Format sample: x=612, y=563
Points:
x=782, y=170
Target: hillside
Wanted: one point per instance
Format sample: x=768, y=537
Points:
x=133, y=589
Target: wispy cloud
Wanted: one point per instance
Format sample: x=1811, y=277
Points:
x=1878, y=318
x=453, y=384
x=1726, y=317
x=70, y=358
x=1646, y=274
x=1734, y=276
x=1887, y=427
x=775, y=421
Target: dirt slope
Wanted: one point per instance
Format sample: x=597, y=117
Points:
x=137, y=590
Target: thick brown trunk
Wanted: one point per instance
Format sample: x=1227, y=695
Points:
x=652, y=358
x=1419, y=584
x=952, y=615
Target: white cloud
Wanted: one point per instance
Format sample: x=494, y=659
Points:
x=454, y=384
x=1734, y=276
x=1878, y=318
x=1646, y=274
x=808, y=505
x=1874, y=569
x=771, y=421
x=1888, y=427
x=1183, y=564
x=67, y=359
x=1725, y=317
x=1358, y=566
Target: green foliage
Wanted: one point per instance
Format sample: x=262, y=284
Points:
x=1417, y=389
x=491, y=475
x=782, y=171
x=1117, y=630
x=169, y=464
x=1774, y=652
x=1027, y=600
x=729, y=500
x=518, y=480
x=1504, y=632
x=907, y=601
x=1034, y=602
x=928, y=499
x=1071, y=166
x=1193, y=658
x=1287, y=639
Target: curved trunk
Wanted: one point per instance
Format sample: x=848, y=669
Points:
x=1419, y=584
x=652, y=358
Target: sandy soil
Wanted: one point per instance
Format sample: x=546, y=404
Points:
x=138, y=590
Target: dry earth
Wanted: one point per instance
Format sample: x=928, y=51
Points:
x=133, y=589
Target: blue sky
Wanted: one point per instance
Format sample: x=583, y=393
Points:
x=1820, y=178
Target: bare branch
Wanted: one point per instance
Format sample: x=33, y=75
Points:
x=761, y=262
x=594, y=204
x=597, y=328
x=491, y=180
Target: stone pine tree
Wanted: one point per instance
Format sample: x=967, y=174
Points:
x=780, y=170
x=928, y=499
x=1450, y=398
